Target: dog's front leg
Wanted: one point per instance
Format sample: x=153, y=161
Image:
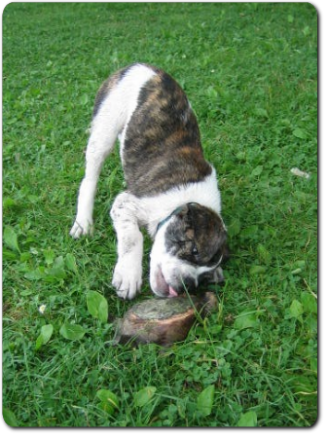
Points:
x=128, y=270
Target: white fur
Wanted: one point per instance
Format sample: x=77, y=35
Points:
x=126, y=216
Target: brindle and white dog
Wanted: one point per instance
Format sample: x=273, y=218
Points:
x=171, y=189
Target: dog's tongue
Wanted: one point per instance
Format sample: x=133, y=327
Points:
x=172, y=292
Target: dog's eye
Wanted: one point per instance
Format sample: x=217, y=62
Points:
x=194, y=251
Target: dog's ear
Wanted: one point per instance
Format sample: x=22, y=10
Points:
x=184, y=214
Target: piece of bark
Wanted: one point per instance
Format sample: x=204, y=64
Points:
x=163, y=321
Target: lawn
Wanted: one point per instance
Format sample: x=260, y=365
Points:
x=250, y=72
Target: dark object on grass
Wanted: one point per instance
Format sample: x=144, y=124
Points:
x=163, y=321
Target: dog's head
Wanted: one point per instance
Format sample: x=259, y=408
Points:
x=188, y=249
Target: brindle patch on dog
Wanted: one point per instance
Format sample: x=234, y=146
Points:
x=164, y=129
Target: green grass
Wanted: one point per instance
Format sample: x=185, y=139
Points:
x=250, y=71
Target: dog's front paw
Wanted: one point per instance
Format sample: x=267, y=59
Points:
x=127, y=279
x=81, y=227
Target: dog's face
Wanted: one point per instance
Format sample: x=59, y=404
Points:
x=187, y=251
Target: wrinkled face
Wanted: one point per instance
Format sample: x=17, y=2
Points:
x=187, y=251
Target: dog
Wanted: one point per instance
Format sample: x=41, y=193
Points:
x=171, y=189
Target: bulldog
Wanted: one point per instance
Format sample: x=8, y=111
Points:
x=171, y=189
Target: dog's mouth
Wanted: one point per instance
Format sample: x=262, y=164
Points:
x=162, y=288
